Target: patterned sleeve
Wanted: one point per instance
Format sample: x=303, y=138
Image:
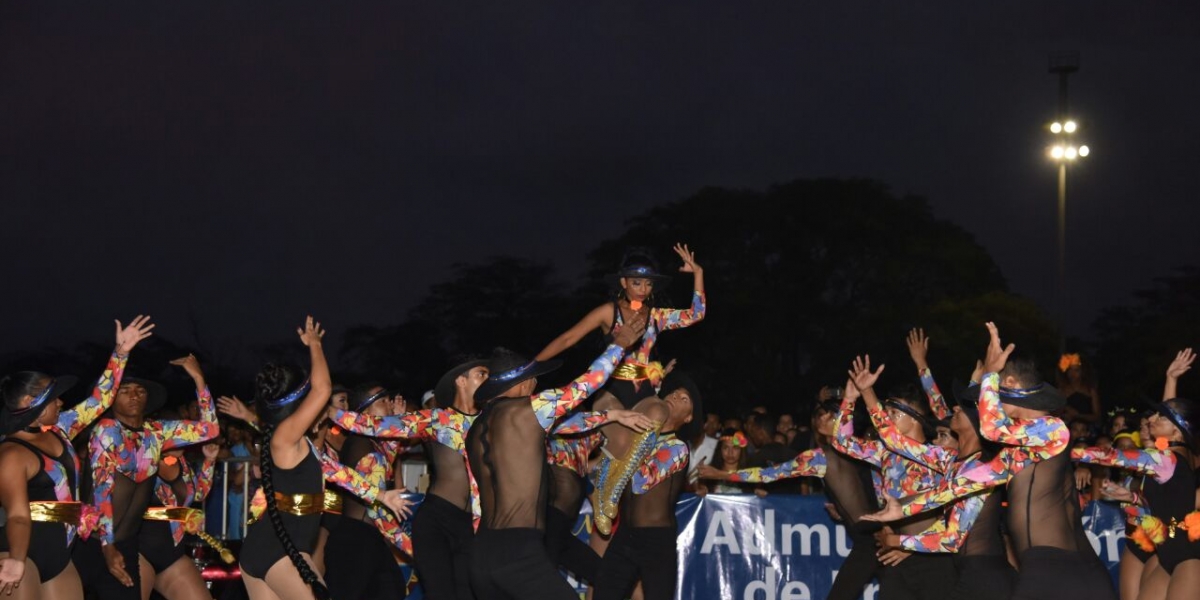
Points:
x=669, y=457
x=204, y=479
x=350, y=479
x=936, y=401
x=1045, y=436
x=580, y=422
x=409, y=426
x=934, y=457
x=76, y=419
x=973, y=477
x=106, y=437
x=550, y=405
x=810, y=463
x=1153, y=462
x=844, y=441
x=185, y=433
x=950, y=533
x=674, y=318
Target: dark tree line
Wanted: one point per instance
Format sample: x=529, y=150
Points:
x=801, y=277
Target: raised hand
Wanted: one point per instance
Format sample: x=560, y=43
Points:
x=632, y=419
x=235, y=408
x=311, y=333
x=670, y=367
x=395, y=500
x=1181, y=364
x=997, y=356
x=689, y=259
x=850, y=392
x=191, y=365
x=918, y=348
x=629, y=333
x=977, y=374
x=861, y=375
x=138, y=330
x=1112, y=491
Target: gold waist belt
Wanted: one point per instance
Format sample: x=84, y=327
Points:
x=635, y=372
x=333, y=502
x=300, y=504
x=173, y=513
x=55, y=512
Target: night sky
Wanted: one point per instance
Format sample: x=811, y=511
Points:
x=242, y=163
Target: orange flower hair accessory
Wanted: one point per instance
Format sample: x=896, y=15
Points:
x=736, y=439
x=1069, y=360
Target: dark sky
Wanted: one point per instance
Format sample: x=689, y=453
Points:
x=247, y=162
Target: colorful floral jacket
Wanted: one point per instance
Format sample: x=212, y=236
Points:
x=901, y=475
x=669, y=456
x=663, y=319
x=119, y=450
x=810, y=463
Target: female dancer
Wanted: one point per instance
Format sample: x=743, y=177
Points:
x=276, y=558
x=633, y=385
x=125, y=452
x=39, y=472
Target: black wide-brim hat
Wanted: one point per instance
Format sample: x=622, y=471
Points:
x=1043, y=397
x=12, y=421
x=506, y=371
x=446, y=390
x=156, y=393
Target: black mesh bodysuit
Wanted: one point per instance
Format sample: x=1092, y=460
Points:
x=849, y=487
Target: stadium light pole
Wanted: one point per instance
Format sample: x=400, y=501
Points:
x=1063, y=151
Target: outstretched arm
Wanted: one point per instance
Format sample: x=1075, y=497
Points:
x=582, y=422
x=665, y=319
x=949, y=534
x=75, y=420
x=810, y=463
x=1158, y=464
x=668, y=458
x=595, y=319
x=409, y=426
x=843, y=439
x=551, y=405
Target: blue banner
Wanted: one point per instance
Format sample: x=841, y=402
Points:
x=783, y=547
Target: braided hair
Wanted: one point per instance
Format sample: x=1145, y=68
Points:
x=271, y=383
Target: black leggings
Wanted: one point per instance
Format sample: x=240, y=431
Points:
x=359, y=563
x=646, y=553
x=1049, y=573
x=570, y=552
x=48, y=548
x=157, y=546
x=93, y=571
x=441, y=538
x=919, y=577
x=857, y=570
x=984, y=578
x=513, y=564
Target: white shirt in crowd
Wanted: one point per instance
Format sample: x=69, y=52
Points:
x=701, y=455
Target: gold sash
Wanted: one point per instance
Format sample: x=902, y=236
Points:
x=332, y=503
x=55, y=512
x=300, y=504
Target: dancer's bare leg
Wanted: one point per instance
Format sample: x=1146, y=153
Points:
x=182, y=581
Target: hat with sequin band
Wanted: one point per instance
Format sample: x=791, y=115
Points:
x=638, y=263
x=15, y=419
x=1183, y=414
x=446, y=390
x=506, y=369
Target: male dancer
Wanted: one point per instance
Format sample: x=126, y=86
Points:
x=506, y=449
x=1057, y=561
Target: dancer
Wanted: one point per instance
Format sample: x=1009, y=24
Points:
x=506, y=449
x=165, y=566
x=633, y=384
x=1056, y=559
x=277, y=553
x=643, y=548
x=567, y=450
x=905, y=574
x=125, y=452
x=1169, y=492
x=39, y=472
x=443, y=527
x=359, y=560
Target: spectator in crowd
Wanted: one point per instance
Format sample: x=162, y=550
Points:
x=1079, y=388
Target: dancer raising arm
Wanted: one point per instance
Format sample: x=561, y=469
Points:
x=633, y=384
x=39, y=472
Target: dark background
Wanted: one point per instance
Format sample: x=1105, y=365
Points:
x=229, y=167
